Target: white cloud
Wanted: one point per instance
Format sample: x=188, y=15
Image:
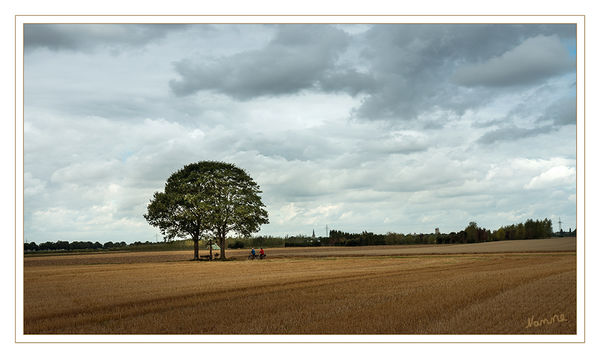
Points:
x=287, y=213
x=86, y=172
x=32, y=185
x=559, y=175
x=324, y=211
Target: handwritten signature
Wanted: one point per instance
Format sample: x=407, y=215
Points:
x=532, y=322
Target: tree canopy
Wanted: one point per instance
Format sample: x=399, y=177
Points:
x=208, y=198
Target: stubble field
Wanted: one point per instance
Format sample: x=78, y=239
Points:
x=465, y=289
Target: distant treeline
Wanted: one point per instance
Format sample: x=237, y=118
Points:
x=92, y=246
x=530, y=229
x=271, y=241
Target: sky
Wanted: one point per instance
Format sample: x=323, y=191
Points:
x=357, y=127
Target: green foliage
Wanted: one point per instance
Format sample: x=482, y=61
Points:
x=340, y=238
x=238, y=244
x=30, y=246
x=265, y=241
x=302, y=241
x=208, y=198
x=499, y=234
x=173, y=245
x=471, y=231
x=262, y=241
x=538, y=229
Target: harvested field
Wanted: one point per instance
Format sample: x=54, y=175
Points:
x=487, y=293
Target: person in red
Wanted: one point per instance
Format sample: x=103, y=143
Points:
x=262, y=252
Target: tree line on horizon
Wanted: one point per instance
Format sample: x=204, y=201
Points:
x=530, y=229
x=86, y=245
x=538, y=229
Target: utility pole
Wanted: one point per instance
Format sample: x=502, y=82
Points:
x=559, y=225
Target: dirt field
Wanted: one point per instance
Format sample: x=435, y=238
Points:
x=387, y=290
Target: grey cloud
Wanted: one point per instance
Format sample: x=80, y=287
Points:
x=111, y=107
x=86, y=172
x=512, y=133
x=404, y=69
x=310, y=145
x=563, y=112
x=413, y=64
x=120, y=107
x=535, y=59
x=294, y=60
x=291, y=146
x=489, y=123
x=531, y=107
x=396, y=144
x=85, y=37
x=348, y=81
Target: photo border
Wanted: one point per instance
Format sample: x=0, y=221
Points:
x=20, y=20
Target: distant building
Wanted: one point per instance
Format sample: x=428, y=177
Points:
x=437, y=230
x=313, y=235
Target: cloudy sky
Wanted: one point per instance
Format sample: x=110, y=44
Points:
x=387, y=127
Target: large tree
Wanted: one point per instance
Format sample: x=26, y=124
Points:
x=208, y=198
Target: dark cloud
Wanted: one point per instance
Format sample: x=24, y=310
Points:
x=85, y=37
x=349, y=81
x=413, y=65
x=536, y=59
x=562, y=113
x=295, y=59
x=404, y=70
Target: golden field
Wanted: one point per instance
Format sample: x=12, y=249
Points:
x=368, y=290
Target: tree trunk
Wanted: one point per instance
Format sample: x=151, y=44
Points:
x=222, y=244
x=210, y=250
x=196, y=248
